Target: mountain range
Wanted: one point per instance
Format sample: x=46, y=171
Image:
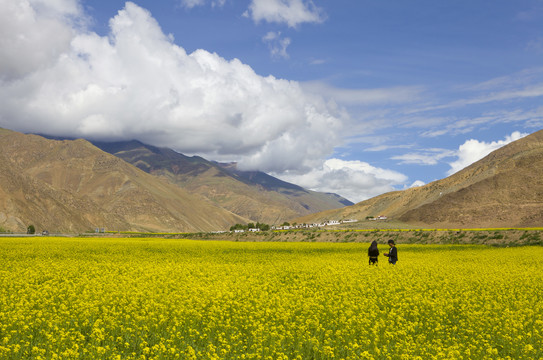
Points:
x=250, y=194
x=73, y=186
x=504, y=189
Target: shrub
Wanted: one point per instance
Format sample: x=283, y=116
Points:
x=30, y=229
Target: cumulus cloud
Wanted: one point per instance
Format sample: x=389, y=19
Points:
x=277, y=44
x=34, y=34
x=473, y=150
x=354, y=180
x=137, y=84
x=290, y=12
x=417, y=183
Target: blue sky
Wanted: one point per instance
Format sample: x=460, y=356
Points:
x=353, y=97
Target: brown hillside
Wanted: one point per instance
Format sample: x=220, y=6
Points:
x=74, y=186
x=508, y=190
x=253, y=195
x=504, y=189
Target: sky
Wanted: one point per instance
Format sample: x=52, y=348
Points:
x=353, y=97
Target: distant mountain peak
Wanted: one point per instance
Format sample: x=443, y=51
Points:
x=252, y=194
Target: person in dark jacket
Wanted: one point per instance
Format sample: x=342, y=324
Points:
x=392, y=254
x=373, y=253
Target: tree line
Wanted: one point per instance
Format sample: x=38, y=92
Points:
x=260, y=226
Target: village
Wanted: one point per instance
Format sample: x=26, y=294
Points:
x=295, y=226
x=315, y=225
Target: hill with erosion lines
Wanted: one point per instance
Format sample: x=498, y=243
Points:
x=72, y=186
x=504, y=189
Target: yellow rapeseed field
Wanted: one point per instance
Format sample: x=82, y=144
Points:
x=71, y=298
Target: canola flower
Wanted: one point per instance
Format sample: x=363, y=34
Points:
x=70, y=298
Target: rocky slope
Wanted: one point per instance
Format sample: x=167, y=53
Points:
x=504, y=189
x=72, y=186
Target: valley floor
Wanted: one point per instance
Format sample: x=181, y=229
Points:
x=495, y=237
x=502, y=237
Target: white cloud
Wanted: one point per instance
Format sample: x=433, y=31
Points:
x=517, y=80
x=417, y=183
x=530, y=91
x=277, y=44
x=523, y=85
x=136, y=83
x=290, y=12
x=424, y=157
x=473, y=150
x=354, y=180
x=30, y=41
x=378, y=96
x=189, y=4
x=57, y=8
x=318, y=62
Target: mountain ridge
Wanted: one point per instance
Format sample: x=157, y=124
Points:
x=251, y=194
x=504, y=189
x=72, y=186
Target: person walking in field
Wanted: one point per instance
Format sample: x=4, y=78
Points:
x=392, y=254
x=373, y=253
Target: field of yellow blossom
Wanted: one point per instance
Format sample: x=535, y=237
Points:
x=111, y=298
